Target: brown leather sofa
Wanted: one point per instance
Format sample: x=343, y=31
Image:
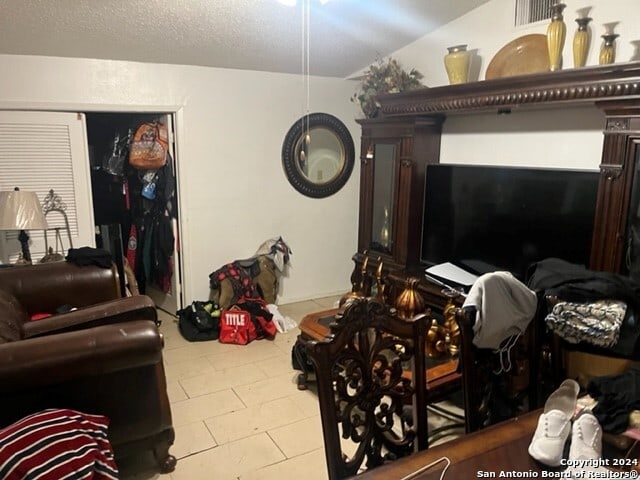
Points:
x=103, y=358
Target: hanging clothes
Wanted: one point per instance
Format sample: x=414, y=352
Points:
x=504, y=307
x=152, y=210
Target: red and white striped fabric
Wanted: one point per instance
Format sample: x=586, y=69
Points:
x=57, y=444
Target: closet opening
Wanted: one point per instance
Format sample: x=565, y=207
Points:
x=136, y=209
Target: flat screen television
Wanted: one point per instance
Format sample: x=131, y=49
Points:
x=489, y=218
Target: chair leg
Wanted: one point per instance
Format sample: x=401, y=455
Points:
x=302, y=381
x=166, y=462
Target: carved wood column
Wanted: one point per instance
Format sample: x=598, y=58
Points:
x=403, y=201
x=616, y=177
x=366, y=191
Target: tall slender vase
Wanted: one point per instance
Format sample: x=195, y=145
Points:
x=581, y=41
x=457, y=63
x=608, y=49
x=556, y=34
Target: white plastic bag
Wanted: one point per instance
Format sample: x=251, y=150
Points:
x=283, y=324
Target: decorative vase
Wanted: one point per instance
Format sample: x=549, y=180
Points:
x=380, y=285
x=436, y=342
x=581, y=41
x=347, y=297
x=384, y=230
x=451, y=327
x=410, y=303
x=364, y=277
x=457, y=63
x=608, y=49
x=556, y=34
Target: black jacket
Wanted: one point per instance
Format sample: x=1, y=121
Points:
x=575, y=283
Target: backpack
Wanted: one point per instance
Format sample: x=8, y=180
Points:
x=148, y=149
x=299, y=358
x=199, y=321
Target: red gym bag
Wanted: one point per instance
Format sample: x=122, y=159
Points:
x=236, y=327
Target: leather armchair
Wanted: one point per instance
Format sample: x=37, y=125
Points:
x=103, y=358
x=48, y=286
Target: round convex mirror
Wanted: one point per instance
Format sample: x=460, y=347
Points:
x=318, y=155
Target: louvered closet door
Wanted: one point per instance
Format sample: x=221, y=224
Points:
x=40, y=151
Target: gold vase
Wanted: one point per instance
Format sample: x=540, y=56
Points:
x=581, y=41
x=380, y=285
x=384, y=230
x=608, y=49
x=451, y=328
x=410, y=303
x=457, y=63
x=556, y=34
x=436, y=341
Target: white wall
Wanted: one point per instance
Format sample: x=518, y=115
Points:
x=570, y=138
x=489, y=27
x=231, y=124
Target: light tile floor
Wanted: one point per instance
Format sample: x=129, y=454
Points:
x=236, y=410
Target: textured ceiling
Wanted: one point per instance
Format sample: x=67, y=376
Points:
x=345, y=35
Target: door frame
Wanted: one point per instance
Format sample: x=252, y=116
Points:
x=177, y=112
x=172, y=301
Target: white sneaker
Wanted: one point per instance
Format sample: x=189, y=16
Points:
x=585, y=452
x=551, y=434
x=554, y=425
x=586, y=437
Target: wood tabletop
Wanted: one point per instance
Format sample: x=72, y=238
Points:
x=442, y=375
x=496, y=449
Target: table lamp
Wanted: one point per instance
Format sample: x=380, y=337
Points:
x=22, y=211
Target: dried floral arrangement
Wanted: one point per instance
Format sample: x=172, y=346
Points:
x=384, y=76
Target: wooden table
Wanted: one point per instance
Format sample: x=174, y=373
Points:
x=442, y=374
x=499, y=448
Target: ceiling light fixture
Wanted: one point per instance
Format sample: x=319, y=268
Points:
x=306, y=74
x=293, y=3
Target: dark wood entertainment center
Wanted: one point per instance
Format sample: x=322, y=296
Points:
x=397, y=147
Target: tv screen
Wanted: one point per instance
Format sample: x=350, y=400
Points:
x=488, y=218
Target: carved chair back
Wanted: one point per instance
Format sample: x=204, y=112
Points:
x=483, y=380
x=371, y=382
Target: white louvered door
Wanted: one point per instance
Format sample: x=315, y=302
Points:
x=40, y=151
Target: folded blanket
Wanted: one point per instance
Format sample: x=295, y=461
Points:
x=597, y=323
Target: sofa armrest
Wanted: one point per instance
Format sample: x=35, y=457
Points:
x=139, y=307
x=54, y=359
x=46, y=287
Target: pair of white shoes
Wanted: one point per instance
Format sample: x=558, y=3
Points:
x=555, y=426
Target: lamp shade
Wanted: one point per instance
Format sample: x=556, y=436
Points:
x=21, y=210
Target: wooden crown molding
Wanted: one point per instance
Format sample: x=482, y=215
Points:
x=588, y=85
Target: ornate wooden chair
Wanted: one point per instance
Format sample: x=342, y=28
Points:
x=371, y=385
x=489, y=396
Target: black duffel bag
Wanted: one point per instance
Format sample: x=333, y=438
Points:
x=199, y=321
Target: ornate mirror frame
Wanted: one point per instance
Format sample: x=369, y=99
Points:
x=299, y=152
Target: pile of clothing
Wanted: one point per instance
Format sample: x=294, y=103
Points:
x=595, y=308
x=597, y=322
